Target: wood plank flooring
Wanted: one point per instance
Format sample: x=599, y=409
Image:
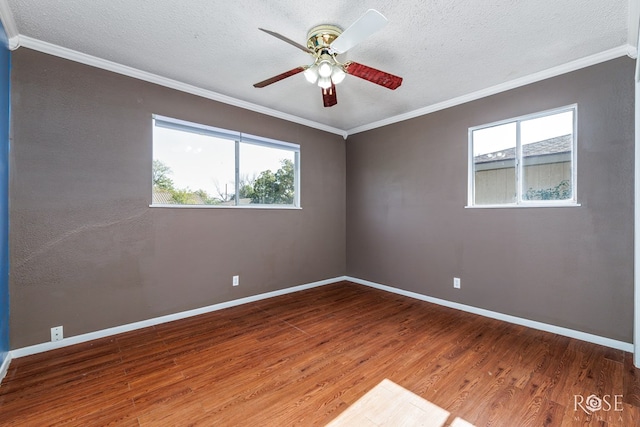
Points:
x=303, y=358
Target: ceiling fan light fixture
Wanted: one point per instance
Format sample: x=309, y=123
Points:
x=338, y=75
x=326, y=41
x=325, y=68
x=324, y=82
x=311, y=74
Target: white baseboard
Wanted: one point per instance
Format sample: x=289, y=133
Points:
x=39, y=348
x=596, y=339
x=5, y=366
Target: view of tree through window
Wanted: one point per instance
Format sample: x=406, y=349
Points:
x=275, y=184
x=196, y=167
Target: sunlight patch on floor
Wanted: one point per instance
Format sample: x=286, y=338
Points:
x=389, y=405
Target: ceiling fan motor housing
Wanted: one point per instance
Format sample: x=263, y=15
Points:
x=320, y=38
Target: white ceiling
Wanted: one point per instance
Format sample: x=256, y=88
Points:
x=446, y=50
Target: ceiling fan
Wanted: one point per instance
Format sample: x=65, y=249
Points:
x=324, y=43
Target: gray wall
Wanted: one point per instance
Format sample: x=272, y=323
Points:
x=88, y=253
x=407, y=226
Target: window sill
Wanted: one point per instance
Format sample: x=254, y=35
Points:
x=281, y=207
x=527, y=205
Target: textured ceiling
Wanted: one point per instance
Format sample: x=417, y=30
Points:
x=443, y=48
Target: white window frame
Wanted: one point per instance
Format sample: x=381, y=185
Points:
x=237, y=137
x=520, y=202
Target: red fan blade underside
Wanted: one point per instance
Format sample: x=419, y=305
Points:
x=329, y=97
x=374, y=76
x=280, y=77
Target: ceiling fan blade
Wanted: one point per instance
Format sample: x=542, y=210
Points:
x=329, y=97
x=287, y=40
x=374, y=76
x=280, y=77
x=366, y=25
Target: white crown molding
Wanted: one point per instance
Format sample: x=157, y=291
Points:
x=9, y=24
x=502, y=87
x=571, y=333
x=104, y=64
x=62, y=52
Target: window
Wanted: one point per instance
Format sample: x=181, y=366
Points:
x=198, y=165
x=526, y=161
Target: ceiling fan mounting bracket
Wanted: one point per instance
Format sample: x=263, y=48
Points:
x=320, y=37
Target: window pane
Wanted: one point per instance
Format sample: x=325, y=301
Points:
x=192, y=169
x=494, y=170
x=547, y=143
x=267, y=175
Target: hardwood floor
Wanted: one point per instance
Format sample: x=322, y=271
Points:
x=303, y=358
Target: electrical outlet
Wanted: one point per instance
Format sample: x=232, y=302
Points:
x=56, y=333
x=236, y=280
x=456, y=282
